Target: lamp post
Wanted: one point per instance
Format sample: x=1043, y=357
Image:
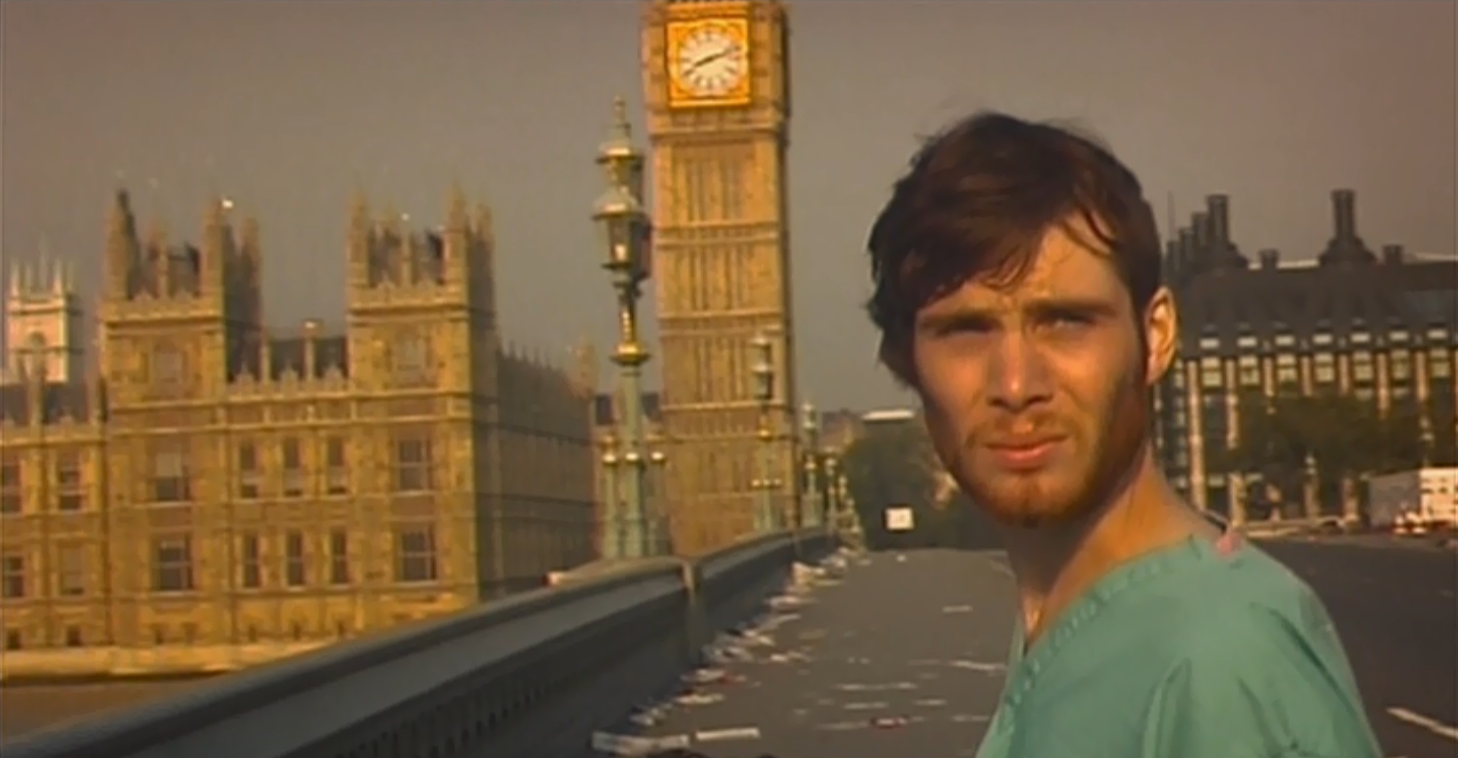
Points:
x=833, y=498
x=849, y=522
x=812, y=507
x=659, y=538
x=611, y=538
x=624, y=227
x=764, y=394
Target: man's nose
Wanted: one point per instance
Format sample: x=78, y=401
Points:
x=1018, y=374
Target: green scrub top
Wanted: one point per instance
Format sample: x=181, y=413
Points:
x=1198, y=650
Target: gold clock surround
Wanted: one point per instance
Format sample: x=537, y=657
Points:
x=678, y=34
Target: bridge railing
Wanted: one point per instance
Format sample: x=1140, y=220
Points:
x=531, y=675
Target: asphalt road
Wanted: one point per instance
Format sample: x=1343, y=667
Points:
x=929, y=646
x=1396, y=610
x=922, y=639
x=882, y=644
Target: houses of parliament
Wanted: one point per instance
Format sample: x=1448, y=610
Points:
x=198, y=492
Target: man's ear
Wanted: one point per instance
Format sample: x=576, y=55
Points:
x=1161, y=334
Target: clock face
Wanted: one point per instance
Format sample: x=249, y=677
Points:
x=710, y=62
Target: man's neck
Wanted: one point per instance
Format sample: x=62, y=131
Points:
x=1054, y=566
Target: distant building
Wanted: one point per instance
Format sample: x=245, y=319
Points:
x=1382, y=327
x=721, y=261
x=43, y=325
x=210, y=493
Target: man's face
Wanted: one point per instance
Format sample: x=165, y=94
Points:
x=1035, y=392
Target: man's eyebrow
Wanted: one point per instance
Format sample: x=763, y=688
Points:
x=964, y=315
x=960, y=315
x=1072, y=305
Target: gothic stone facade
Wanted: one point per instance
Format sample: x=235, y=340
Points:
x=213, y=494
x=721, y=254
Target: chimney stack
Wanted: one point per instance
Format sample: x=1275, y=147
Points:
x=1270, y=259
x=1186, y=244
x=1218, y=208
x=1392, y=255
x=1344, y=213
x=1200, y=223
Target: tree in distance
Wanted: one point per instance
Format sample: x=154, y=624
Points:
x=893, y=464
x=1291, y=438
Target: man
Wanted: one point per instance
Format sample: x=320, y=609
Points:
x=1017, y=290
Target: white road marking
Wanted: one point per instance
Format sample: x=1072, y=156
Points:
x=731, y=733
x=989, y=668
x=1425, y=722
x=999, y=567
x=857, y=687
x=842, y=726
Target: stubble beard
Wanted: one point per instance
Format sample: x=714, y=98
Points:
x=1101, y=463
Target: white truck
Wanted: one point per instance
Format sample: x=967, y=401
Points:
x=1421, y=499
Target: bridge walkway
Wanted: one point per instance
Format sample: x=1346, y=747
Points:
x=902, y=655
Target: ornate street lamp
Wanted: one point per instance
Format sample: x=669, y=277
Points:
x=624, y=228
x=813, y=504
x=611, y=536
x=833, y=498
x=658, y=534
x=764, y=393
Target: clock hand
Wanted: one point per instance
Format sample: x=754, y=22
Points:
x=706, y=60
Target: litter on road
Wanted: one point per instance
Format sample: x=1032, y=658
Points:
x=752, y=642
x=724, y=735
x=637, y=747
x=882, y=687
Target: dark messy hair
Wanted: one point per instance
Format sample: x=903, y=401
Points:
x=977, y=201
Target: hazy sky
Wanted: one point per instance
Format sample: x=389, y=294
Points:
x=285, y=106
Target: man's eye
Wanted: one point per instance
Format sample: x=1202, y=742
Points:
x=1069, y=319
x=968, y=327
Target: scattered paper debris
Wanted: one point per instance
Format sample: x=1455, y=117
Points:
x=698, y=698
x=987, y=668
x=649, y=714
x=889, y=722
x=880, y=687
x=949, y=609
x=639, y=747
x=727, y=734
x=750, y=642
x=705, y=676
x=842, y=726
x=959, y=664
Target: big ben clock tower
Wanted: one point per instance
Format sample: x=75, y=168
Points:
x=715, y=79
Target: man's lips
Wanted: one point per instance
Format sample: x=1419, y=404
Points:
x=1023, y=443
x=1023, y=454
